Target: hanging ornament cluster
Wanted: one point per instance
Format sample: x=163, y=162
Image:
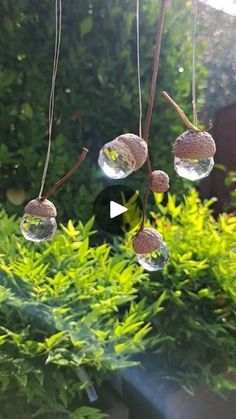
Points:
x=193, y=156
x=193, y=153
x=128, y=153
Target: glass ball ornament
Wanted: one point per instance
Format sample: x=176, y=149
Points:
x=39, y=221
x=156, y=260
x=152, y=252
x=193, y=169
x=122, y=156
x=115, y=161
x=194, y=151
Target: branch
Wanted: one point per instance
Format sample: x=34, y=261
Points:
x=68, y=175
x=180, y=112
x=155, y=69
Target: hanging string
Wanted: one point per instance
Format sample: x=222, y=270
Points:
x=138, y=67
x=58, y=19
x=194, y=101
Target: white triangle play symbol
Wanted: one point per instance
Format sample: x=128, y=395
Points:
x=116, y=209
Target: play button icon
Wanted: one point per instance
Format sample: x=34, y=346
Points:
x=118, y=209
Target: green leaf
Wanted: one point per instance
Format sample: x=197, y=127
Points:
x=27, y=110
x=86, y=26
x=55, y=340
x=23, y=379
x=87, y=412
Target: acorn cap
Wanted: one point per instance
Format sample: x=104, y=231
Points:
x=137, y=146
x=194, y=145
x=146, y=241
x=40, y=208
x=159, y=181
x=122, y=149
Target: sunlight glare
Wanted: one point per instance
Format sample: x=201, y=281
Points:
x=228, y=6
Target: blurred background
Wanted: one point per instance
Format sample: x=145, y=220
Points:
x=96, y=93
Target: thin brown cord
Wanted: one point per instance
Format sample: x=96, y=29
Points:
x=68, y=175
x=155, y=69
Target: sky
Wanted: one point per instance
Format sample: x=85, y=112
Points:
x=228, y=6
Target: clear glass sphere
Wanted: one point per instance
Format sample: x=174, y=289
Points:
x=37, y=229
x=156, y=260
x=115, y=163
x=193, y=169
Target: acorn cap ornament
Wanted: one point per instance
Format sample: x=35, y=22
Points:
x=137, y=148
x=194, y=149
x=41, y=208
x=123, y=155
x=159, y=181
x=196, y=145
x=147, y=241
x=38, y=223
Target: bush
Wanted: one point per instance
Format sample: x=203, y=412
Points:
x=96, y=95
x=63, y=306
x=194, y=334
x=66, y=305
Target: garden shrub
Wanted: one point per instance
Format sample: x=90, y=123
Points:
x=96, y=94
x=66, y=305
x=63, y=305
x=194, y=334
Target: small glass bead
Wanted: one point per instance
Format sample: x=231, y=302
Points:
x=156, y=260
x=115, y=164
x=193, y=169
x=37, y=229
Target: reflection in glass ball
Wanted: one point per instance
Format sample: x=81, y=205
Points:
x=193, y=169
x=38, y=229
x=116, y=162
x=155, y=260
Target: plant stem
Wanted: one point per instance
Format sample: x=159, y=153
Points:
x=68, y=175
x=180, y=112
x=155, y=68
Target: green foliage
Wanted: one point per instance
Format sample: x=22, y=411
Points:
x=66, y=305
x=230, y=182
x=63, y=305
x=87, y=412
x=194, y=334
x=96, y=95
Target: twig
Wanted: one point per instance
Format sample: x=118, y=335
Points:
x=151, y=98
x=155, y=69
x=180, y=112
x=68, y=175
